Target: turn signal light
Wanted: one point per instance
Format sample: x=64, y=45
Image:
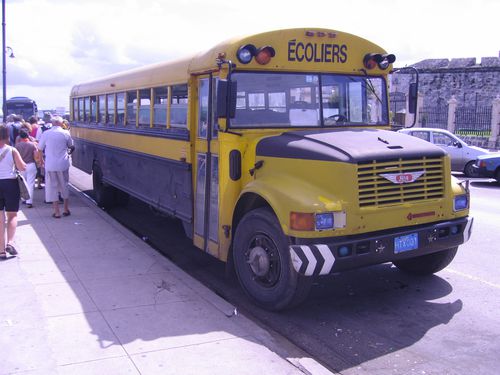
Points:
x=301, y=221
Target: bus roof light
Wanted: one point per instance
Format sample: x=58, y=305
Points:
x=371, y=60
x=245, y=53
x=386, y=60
x=264, y=55
x=309, y=33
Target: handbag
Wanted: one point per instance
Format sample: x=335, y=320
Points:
x=23, y=187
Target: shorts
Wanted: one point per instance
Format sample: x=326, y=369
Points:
x=9, y=195
x=55, y=183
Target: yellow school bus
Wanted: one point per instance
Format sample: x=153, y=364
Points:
x=276, y=152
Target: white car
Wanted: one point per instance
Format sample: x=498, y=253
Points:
x=461, y=154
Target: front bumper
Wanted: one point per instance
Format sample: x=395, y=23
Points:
x=483, y=172
x=314, y=259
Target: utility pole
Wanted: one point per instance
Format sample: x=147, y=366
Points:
x=4, y=67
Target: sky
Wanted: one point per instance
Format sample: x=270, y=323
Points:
x=59, y=43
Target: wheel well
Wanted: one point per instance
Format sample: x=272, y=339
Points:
x=247, y=202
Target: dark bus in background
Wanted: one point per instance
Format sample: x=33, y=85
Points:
x=21, y=105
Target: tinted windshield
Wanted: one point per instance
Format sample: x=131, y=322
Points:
x=309, y=100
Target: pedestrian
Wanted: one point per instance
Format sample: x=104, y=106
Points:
x=14, y=126
x=56, y=143
x=30, y=155
x=26, y=126
x=33, y=121
x=10, y=159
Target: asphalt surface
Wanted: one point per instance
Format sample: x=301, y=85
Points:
x=375, y=320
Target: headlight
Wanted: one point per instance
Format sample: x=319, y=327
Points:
x=324, y=221
x=461, y=202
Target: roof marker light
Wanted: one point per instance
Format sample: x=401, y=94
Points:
x=245, y=53
x=264, y=55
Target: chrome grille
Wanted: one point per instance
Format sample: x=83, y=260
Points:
x=376, y=191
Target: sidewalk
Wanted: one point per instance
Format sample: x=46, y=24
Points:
x=85, y=296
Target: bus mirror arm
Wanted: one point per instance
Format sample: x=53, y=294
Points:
x=226, y=94
x=412, y=93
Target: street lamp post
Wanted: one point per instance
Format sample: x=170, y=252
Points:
x=4, y=68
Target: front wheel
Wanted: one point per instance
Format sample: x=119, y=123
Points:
x=103, y=193
x=262, y=262
x=469, y=170
x=427, y=264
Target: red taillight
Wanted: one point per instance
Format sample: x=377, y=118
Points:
x=264, y=55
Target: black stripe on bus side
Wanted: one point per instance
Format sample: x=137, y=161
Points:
x=177, y=134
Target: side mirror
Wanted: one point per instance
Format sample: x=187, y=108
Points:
x=226, y=99
x=412, y=98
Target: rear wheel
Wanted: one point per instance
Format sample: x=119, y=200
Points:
x=497, y=175
x=262, y=262
x=427, y=264
x=469, y=170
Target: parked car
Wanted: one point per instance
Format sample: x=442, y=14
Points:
x=488, y=166
x=461, y=154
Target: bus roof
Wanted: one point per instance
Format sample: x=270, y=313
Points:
x=301, y=49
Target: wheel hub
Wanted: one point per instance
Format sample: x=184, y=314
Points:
x=259, y=261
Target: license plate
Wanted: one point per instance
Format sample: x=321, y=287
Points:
x=405, y=243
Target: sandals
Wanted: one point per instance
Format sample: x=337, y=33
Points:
x=3, y=255
x=11, y=249
x=67, y=213
x=56, y=216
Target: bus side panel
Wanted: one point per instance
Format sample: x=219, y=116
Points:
x=162, y=183
x=83, y=155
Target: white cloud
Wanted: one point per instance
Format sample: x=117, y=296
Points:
x=58, y=43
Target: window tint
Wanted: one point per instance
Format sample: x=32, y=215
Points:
x=131, y=107
x=160, y=98
x=120, y=108
x=102, y=108
x=178, y=106
x=110, y=114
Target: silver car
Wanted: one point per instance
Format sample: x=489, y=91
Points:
x=461, y=154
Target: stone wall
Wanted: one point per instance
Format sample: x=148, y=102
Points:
x=470, y=82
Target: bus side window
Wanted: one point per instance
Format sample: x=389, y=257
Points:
x=93, y=109
x=120, y=108
x=131, y=107
x=80, y=109
x=87, y=109
x=74, y=112
x=160, y=98
x=144, y=108
x=110, y=114
x=102, y=109
x=178, y=106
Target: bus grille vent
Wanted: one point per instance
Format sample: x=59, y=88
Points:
x=375, y=190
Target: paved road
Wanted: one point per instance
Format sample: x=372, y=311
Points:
x=376, y=320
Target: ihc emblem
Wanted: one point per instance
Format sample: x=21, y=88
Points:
x=402, y=178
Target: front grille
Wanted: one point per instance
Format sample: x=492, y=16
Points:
x=376, y=191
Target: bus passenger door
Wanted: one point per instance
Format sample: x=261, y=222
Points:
x=206, y=168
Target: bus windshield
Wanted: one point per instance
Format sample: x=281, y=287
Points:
x=275, y=100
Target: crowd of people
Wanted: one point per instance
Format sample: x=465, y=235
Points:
x=40, y=151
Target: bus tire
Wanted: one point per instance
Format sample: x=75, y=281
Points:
x=427, y=264
x=103, y=193
x=270, y=280
x=121, y=198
